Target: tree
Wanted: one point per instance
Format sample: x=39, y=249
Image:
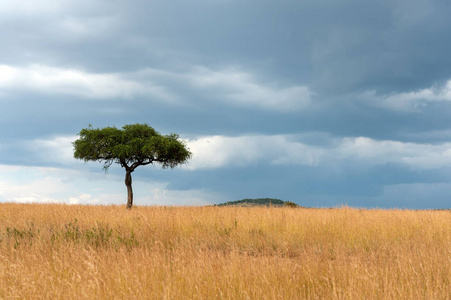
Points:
x=132, y=146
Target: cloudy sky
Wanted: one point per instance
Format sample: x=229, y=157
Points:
x=317, y=102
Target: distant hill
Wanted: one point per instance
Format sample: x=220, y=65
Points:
x=259, y=202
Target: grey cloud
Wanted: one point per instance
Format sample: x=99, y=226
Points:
x=334, y=47
x=316, y=71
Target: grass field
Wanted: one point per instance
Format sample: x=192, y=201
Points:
x=108, y=252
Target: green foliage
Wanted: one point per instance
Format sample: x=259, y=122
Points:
x=131, y=146
x=291, y=204
x=99, y=236
x=20, y=236
x=254, y=202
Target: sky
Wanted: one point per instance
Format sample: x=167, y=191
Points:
x=320, y=102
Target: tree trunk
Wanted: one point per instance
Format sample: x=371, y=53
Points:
x=128, y=183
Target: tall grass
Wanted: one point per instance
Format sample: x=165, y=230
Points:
x=95, y=252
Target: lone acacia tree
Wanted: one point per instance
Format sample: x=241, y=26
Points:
x=132, y=146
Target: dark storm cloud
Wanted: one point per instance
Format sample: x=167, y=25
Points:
x=334, y=46
x=387, y=45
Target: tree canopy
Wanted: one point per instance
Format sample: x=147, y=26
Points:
x=132, y=146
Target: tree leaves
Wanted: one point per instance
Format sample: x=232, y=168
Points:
x=131, y=146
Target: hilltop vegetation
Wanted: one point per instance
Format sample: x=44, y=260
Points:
x=259, y=202
x=229, y=252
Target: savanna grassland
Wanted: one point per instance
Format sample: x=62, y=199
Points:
x=108, y=252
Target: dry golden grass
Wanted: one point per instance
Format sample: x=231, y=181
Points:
x=108, y=252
